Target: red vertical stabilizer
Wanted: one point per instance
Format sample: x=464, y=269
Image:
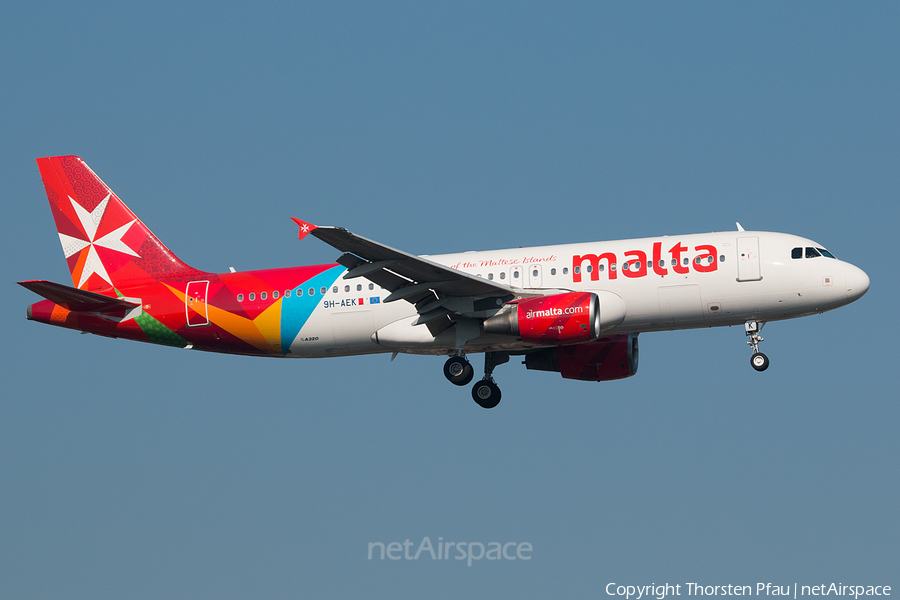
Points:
x=106, y=246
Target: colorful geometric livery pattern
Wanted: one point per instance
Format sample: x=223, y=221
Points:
x=111, y=252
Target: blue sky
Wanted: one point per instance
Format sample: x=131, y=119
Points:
x=130, y=470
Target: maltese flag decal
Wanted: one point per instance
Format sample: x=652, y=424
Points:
x=305, y=227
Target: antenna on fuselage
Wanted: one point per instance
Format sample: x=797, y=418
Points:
x=739, y=226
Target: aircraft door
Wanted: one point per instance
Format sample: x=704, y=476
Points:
x=195, y=307
x=748, y=259
x=516, y=277
x=535, y=276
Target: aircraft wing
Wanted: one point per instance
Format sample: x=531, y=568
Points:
x=75, y=299
x=437, y=291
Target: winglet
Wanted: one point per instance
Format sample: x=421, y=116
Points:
x=305, y=227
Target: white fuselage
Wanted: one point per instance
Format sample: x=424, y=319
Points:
x=669, y=282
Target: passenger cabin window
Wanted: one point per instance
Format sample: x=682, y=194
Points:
x=812, y=253
x=346, y=288
x=797, y=253
x=240, y=297
x=252, y=296
x=323, y=290
x=515, y=274
x=553, y=271
x=312, y=291
x=287, y=293
x=299, y=292
x=534, y=273
x=721, y=258
x=490, y=276
x=502, y=275
x=371, y=286
x=275, y=295
x=263, y=296
x=334, y=290
x=358, y=287
x=565, y=270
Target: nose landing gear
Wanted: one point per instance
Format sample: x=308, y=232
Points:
x=758, y=360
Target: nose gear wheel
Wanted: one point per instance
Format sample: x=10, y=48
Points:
x=758, y=361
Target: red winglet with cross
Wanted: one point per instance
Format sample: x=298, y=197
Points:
x=305, y=227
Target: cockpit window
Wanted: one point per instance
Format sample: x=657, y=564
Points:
x=826, y=253
x=797, y=253
x=812, y=253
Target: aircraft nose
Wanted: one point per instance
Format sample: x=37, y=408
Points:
x=857, y=282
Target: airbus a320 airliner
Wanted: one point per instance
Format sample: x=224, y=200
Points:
x=575, y=309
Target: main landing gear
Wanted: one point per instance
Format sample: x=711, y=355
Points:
x=758, y=360
x=458, y=370
x=486, y=393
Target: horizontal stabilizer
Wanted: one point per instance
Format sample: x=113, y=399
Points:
x=75, y=299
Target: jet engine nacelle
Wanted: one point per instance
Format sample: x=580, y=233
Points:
x=559, y=319
x=605, y=359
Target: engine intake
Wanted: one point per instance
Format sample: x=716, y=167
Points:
x=559, y=319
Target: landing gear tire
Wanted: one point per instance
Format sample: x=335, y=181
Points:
x=759, y=361
x=486, y=394
x=458, y=370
